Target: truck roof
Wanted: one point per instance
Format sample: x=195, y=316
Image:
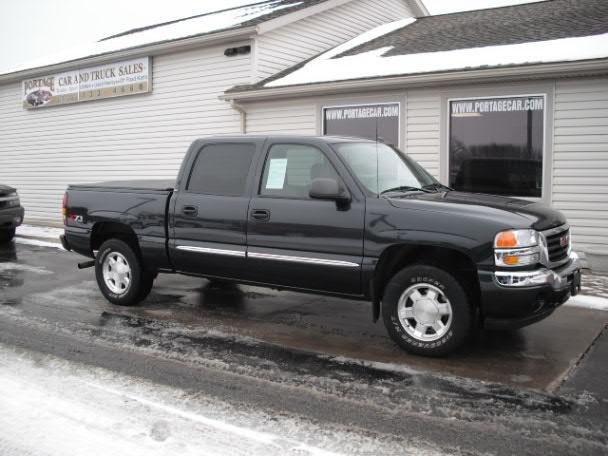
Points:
x=325, y=138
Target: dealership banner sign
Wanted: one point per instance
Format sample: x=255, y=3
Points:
x=129, y=77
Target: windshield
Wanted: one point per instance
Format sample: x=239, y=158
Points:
x=380, y=167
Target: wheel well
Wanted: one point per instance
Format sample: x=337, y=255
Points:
x=103, y=231
x=396, y=258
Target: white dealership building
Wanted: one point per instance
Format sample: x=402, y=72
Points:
x=511, y=101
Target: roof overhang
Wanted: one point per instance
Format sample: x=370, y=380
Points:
x=513, y=73
x=162, y=47
x=419, y=8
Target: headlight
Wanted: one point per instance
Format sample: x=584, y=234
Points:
x=13, y=200
x=516, y=238
x=515, y=248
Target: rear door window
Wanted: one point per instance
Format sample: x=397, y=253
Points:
x=221, y=169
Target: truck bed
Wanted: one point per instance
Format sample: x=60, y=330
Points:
x=148, y=185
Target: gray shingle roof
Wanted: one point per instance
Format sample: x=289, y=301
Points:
x=540, y=21
x=507, y=25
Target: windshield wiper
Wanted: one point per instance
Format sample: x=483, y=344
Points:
x=437, y=186
x=404, y=188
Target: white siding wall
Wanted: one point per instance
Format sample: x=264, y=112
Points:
x=296, y=118
x=423, y=129
x=141, y=136
x=580, y=160
x=296, y=42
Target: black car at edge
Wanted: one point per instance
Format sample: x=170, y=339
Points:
x=11, y=213
x=331, y=215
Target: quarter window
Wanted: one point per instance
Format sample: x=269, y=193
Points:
x=221, y=169
x=290, y=169
x=496, y=145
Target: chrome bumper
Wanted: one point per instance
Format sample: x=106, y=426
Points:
x=568, y=276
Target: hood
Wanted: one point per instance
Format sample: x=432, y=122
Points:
x=517, y=213
x=5, y=190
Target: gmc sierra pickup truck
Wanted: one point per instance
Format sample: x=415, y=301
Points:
x=11, y=213
x=331, y=215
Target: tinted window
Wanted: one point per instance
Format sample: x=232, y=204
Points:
x=290, y=168
x=379, y=121
x=496, y=145
x=221, y=169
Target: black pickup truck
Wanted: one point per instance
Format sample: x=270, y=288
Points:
x=11, y=213
x=331, y=215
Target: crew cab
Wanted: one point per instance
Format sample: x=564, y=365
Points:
x=11, y=213
x=329, y=215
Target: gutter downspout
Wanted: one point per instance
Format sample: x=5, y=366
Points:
x=241, y=110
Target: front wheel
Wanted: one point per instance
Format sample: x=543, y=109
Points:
x=120, y=275
x=426, y=311
x=7, y=235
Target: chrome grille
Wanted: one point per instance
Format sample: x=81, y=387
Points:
x=558, y=244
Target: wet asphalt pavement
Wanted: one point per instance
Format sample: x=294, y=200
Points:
x=540, y=390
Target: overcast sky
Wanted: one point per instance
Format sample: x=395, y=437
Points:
x=30, y=29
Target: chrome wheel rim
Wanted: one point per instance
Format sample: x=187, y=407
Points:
x=424, y=311
x=116, y=273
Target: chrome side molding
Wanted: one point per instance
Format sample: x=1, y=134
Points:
x=307, y=260
x=269, y=256
x=189, y=248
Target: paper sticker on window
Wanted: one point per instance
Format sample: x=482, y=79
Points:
x=276, y=174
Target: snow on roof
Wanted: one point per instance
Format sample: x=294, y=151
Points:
x=375, y=63
x=199, y=25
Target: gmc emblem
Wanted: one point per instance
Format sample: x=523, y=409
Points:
x=564, y=240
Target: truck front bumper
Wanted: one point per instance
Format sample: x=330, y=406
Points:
x=11, y=218
x=514, y=299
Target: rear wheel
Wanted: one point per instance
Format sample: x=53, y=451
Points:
x=7, y=235
x=120, y=275
x=426, y=311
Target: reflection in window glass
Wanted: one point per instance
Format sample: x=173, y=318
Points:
x=380, y=167
x=290, y=169
x=378, y=121
x=496, y=145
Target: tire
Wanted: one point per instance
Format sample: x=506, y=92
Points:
x=432, y=298
x=7, y=235
x=127, y=283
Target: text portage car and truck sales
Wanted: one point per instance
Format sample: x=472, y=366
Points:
x=123, y=78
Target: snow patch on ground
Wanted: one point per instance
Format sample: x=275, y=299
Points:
x=373, y=63
x=588, y=302
x=54, y=407
x=28, y=241
x=387, y=367
x=39, y=231
x=10, y=266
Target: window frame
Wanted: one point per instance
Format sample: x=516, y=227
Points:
x=247, y=178
x=382, y=103
x=291, y=143
x=544, y=192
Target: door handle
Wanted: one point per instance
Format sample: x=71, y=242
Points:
x=260, y=214
x=190, y=210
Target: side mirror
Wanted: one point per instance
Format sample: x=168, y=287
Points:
x=328, y=189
